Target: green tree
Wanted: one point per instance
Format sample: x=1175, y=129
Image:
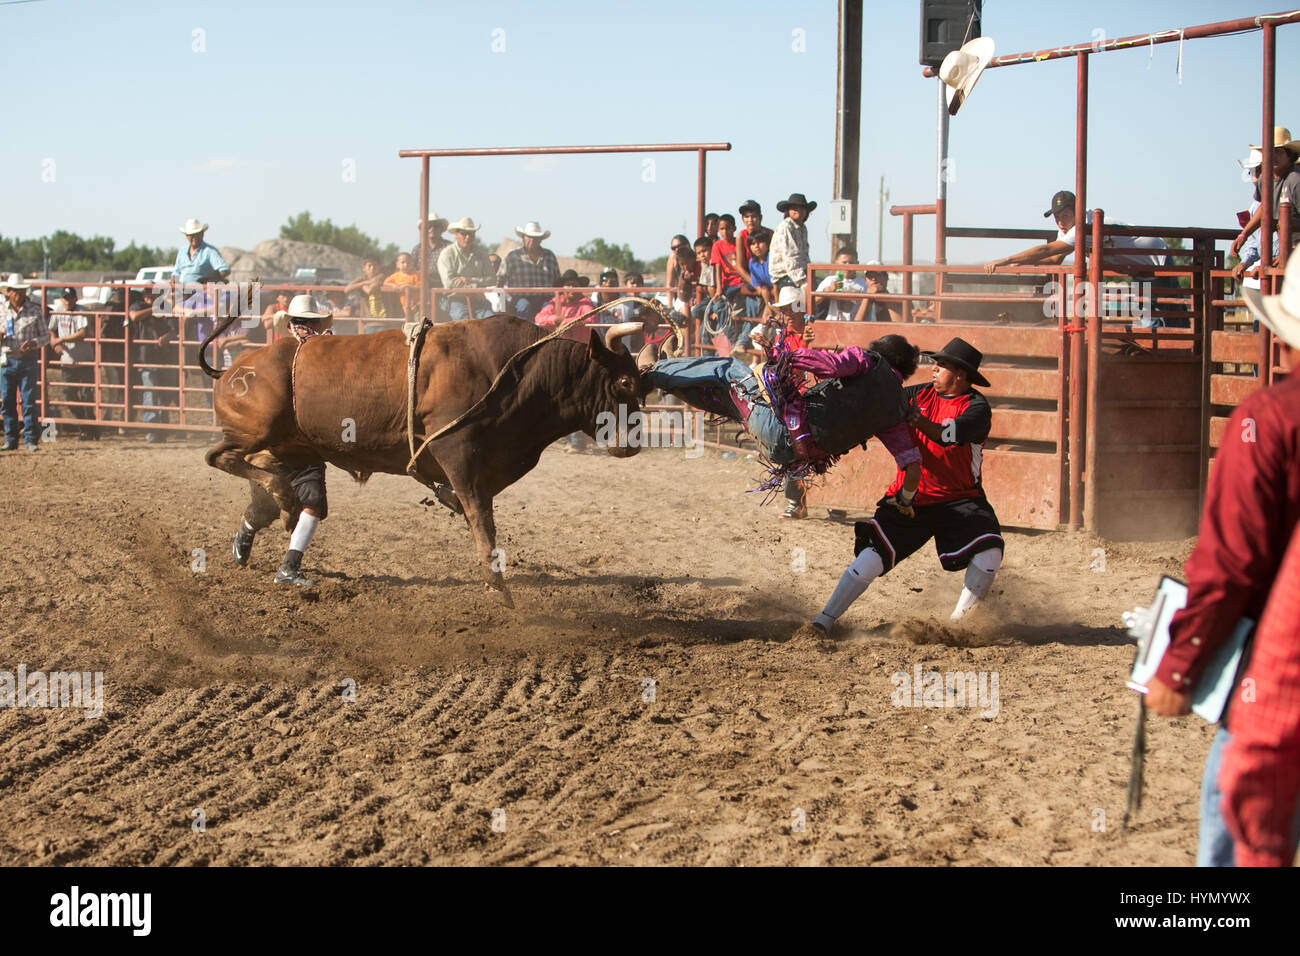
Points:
x=346, y=239
x=69, y=251
x=617, y=257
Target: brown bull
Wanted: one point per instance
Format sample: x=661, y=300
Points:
x=343, y=400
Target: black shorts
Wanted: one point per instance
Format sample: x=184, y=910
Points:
x=309, y=485
x=961, y=529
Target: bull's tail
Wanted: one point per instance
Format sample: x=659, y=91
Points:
x=220, y=328
x=217, y=330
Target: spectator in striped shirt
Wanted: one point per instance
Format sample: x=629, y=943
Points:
x=530, y=267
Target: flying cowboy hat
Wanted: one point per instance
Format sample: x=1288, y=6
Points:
x=961, y=68
x=1281, y=312
x=965, y=356
x=532, y=230
x=302, y=308
x=193, y=227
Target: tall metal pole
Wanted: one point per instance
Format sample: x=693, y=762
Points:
x=1077, y=344
x=941, y=195
x=1266, y=211
x=880, y=222
x=848, y=114
x=424, y=239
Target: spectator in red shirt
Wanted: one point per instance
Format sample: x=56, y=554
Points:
x=1252, y=507
x=568, y=304
x=951, y=422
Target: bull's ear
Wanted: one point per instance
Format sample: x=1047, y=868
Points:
x=596, y=345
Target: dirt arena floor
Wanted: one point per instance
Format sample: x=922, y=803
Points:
x=480, y=734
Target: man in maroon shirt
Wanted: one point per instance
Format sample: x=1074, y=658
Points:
x=1252, y=506
x=950, y=421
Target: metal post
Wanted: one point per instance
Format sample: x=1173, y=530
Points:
x=1094, y=368
x=907, y=261
x=424, y=237
x=1266, y=210
x=880, y=222
x=1077, y=340
x=699, y=195
x=941, y=198
x=848, y=113
x=1211, y=289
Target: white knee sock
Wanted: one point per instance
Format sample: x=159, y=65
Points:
x=866, y=567
x=981, y=571
x=303, y=531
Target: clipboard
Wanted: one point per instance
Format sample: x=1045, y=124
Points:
x=1212, y=692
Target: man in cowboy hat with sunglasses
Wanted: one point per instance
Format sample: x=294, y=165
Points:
x=23, y=331
x=303, y=319
x=1286, y=187
x=950, y=422
x=530, y=267
x=462, y=265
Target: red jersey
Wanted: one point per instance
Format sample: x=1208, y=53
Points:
x=950, y=467
x=724, y=260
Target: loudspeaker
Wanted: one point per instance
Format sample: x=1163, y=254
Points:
x=944, y=27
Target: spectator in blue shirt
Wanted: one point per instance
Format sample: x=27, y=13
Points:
x=200, y=261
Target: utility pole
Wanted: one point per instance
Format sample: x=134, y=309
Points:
x=848, y=113
x=880, y=221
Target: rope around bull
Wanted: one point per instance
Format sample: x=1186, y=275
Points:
x=415, y=338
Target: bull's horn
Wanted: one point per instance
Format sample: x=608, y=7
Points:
x=616, y=333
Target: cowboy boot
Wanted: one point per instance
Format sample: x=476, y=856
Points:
x=289, y=572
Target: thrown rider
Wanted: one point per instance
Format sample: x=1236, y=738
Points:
x=801, y=432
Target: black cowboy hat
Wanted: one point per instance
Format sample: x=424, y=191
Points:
x=965, y=356
x=796, y=199
x=572, y=278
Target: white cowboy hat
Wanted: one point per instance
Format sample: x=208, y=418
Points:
x=14, y=281
x=193, y=227
x=961, y=68
x=1282, y=137
x=463, y=225
x=789, y=295
x=532, y=229
x=1256, y=158
x=1281, y=312
x=305, y=308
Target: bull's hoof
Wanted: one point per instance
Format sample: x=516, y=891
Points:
x=496, y=582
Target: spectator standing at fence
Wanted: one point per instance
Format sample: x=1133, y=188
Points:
x=464, y=266
x=681, y=275
x=751, y=214
x=1251, y=168
x=405, y=284
x=1286, y=188
x=567, y=304
x=153, y=333
x=531, y=266
x=24, y=331
x=268, y=314
x=199, y=262
x=369, y=286
x=842, y=310
x=1252, y=508
x=437, y=241
x=706, y=283
x=789, y=260
x=72, y=365
x=711, y=220
x=730, y=284
x=608, y=279
x=759, y=272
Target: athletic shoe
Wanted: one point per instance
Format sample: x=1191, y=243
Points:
x=289, y=573
x=11, y=446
